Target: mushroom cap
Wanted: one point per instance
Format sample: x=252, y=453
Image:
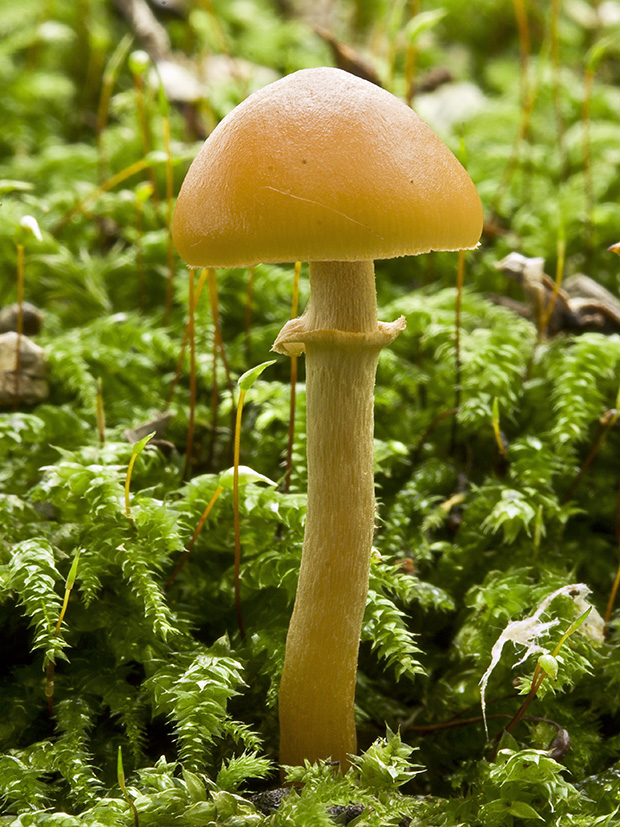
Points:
x=322, y=166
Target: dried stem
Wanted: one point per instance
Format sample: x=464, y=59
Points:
x=586, y=106
x=606, y=425
x=169, y=194
x=528, y=98
x=181, y=357
x=192, y=542
x=189, y=448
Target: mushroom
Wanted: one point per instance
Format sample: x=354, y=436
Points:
x=325, y=167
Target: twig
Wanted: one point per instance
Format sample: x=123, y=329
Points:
x=192, y=542
x=607, y=422
x=436, y=421
x=181, y=356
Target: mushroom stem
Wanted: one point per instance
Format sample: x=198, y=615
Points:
x=342, y=340
x=342, y=296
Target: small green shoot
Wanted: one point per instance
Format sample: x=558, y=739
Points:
x=68, y=587
x=136, y=450
x=109, y=79
x=572, y=629
x=496, y=428
x=226, y=482
x=113, y=181
x=164, y=111
x=245, y=476
x=423, y=22
x=247, y=379
x=245, y=382
x=546, y=312
x=418, y=26
x=547, y=665
x=51, y=663
x=143, y=191
x=527, y=633
x=120, y=774
x=537, y=533
x=139, y=63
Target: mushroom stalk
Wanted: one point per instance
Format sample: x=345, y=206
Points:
x=342, y=340
x=326, y=167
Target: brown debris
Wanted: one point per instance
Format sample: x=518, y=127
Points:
x=345, y=57
x=580, y=305
x=158, y=425
x=433, y=79
x=151, y=34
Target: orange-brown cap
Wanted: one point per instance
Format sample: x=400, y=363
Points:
x=323, y=166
